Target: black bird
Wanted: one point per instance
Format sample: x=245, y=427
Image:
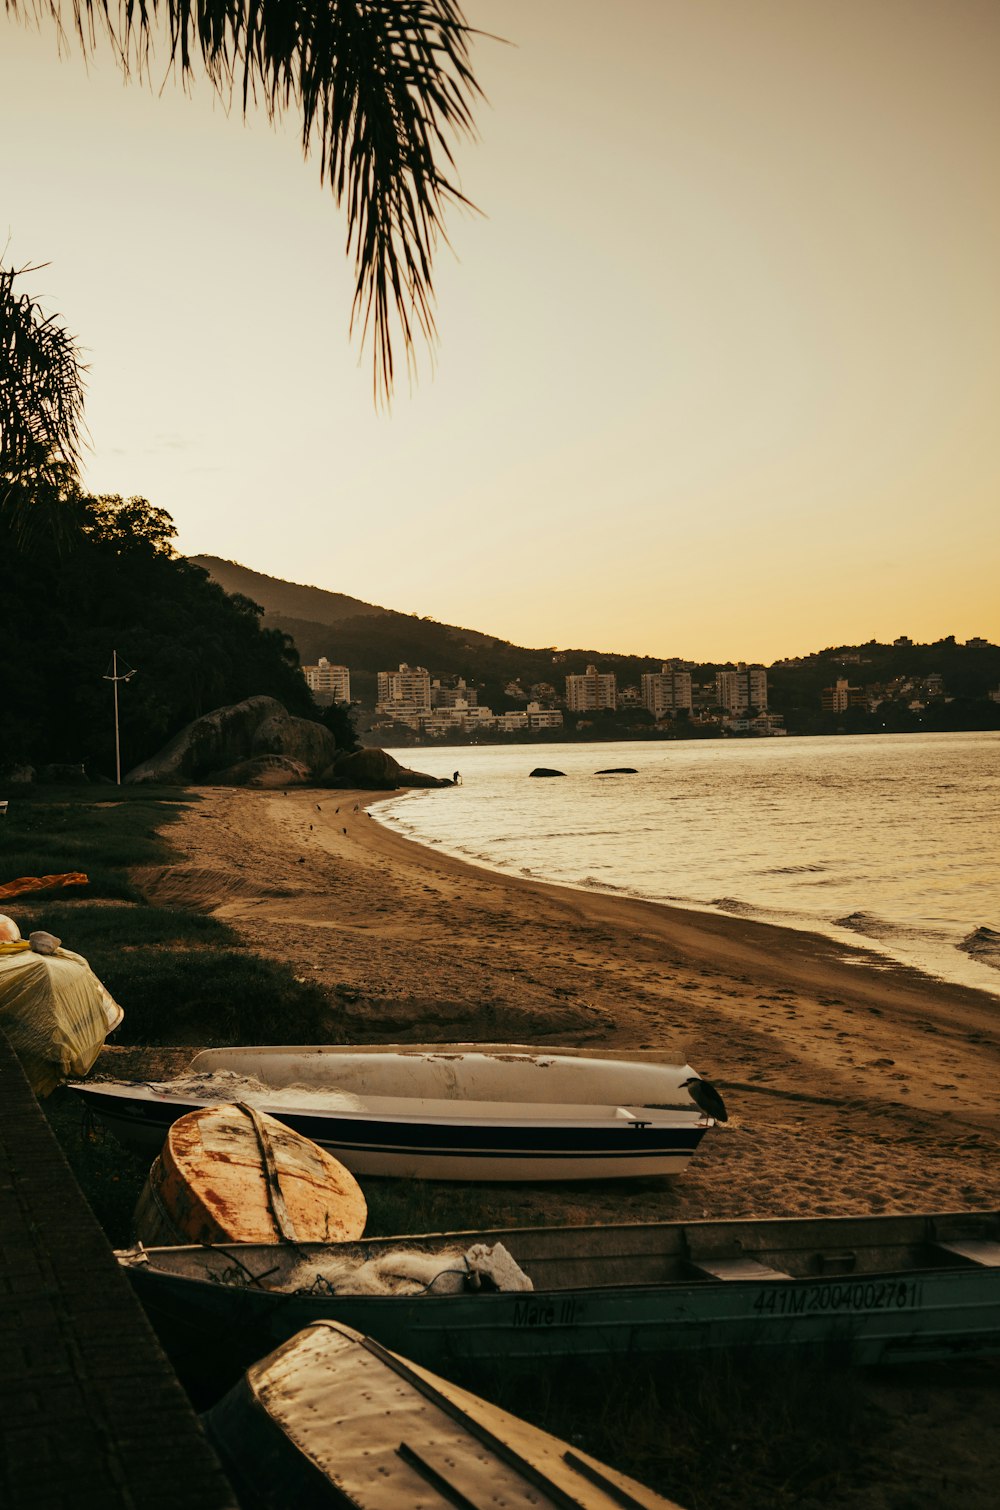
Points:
x=706, y=1098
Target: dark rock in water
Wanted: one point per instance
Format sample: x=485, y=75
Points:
x=376, y=771
x=618, y=770
x=983, y=944
x=227, y=737
x=542, y=770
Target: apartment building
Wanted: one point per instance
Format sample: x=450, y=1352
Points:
x=591, y=691
x=740, y=689
x=458, y=695
x=405, y=695
x=841, y=696
x=667, y=692
x=328, y=683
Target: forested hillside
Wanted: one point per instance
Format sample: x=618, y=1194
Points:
x=81, y=577
x=370, y=639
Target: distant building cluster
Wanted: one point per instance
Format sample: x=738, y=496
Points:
x=735, y=700
x=670, y=691
x=409, y=696
x=916, y=692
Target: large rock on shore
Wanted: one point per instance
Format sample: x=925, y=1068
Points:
x=211, y=748
x=374, y=770
x=262, y=771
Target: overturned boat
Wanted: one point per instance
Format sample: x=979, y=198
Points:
x=883, y=1289
x=479, y=1112
x=231, y=1173
x=334, y=1419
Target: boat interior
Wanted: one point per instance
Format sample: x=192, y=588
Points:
x=444, y=1072
x=651, y=1254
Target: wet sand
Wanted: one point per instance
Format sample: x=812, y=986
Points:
x=853, y=1085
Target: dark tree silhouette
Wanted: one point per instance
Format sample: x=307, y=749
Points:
x=41, y=393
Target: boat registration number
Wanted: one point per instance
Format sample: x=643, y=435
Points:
x=854, y=1295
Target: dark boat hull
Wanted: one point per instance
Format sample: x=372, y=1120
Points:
x=596, y=1294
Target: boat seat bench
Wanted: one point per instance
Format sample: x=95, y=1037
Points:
x=736, y=1268
x=980, y=1250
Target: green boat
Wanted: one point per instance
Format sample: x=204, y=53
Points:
x=881, y=1289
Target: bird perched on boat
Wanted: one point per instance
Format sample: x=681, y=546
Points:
x=706, y=1098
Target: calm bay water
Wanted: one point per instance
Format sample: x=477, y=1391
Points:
x=888, y=841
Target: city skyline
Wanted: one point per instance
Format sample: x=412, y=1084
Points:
x=718, y=362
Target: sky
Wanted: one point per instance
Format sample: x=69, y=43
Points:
x=718, y=359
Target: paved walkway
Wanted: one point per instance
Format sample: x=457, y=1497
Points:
x=91, y=1414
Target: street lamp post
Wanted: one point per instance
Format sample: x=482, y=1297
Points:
x=114, y=679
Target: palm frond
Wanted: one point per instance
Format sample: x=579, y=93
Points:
x=382, y=89
x=41, y=390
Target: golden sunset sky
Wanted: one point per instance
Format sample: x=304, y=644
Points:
x=719, y=363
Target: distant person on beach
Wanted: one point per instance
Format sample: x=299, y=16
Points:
x=456, y=780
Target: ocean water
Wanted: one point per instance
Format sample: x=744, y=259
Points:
x=891, y=842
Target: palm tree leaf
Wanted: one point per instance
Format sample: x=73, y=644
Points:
x=41, y=389
x=382, y=89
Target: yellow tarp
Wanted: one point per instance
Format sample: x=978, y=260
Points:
x=56, y=1014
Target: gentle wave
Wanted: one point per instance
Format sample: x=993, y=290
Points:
x=825, y=834
x=983, y=944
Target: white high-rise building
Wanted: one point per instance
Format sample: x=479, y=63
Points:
x=666, y=692
x=744, y=688
x=404, y=694
x=328, y=681
x=592, y=690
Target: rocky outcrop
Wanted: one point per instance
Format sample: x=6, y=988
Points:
x=543, y=770
x=618, y=770
x=297, y=739
x=262, y=771
x=374, y=770
x=213, y=746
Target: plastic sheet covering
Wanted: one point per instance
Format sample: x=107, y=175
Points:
x=56, y=1014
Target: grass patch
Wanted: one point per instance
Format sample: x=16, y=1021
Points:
x=182, y=977
x=212, y=997
x=51, y=830
x=100, y=932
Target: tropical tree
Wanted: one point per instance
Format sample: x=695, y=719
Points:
x=381, y=88
x=41, y=396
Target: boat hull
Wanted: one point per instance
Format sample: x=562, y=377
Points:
x=479, y=1150
x=332, y=1418
x=935, y=1306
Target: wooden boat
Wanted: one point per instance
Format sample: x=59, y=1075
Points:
x=332, y=1418
x=884, y=1288
x=481, y=1112
x=233, y=1174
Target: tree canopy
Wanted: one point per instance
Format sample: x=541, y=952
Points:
x=116, y=584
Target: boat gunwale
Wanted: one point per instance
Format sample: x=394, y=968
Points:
x=677, y=1119
x=139, y=1259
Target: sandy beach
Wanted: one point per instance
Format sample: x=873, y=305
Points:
x=853, y=1085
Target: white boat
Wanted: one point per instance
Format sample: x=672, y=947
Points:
x=479, y=1112
x=334, y=1419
